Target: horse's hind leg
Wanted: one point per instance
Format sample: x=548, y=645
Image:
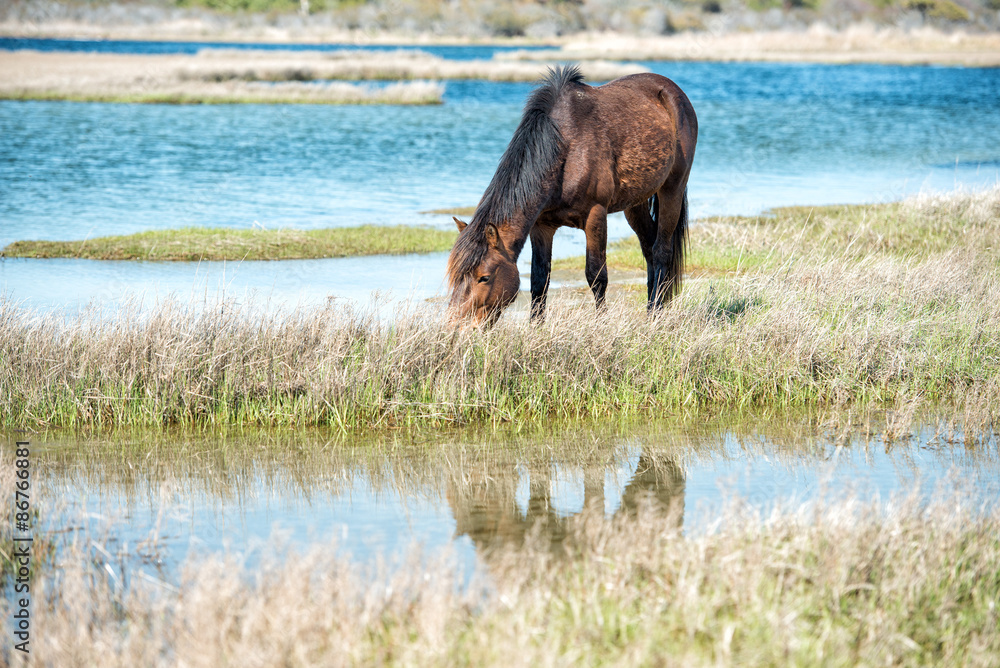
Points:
x=641, y=219
x=668, y=249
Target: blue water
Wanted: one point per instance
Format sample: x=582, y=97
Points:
x=169, y=47
x=279, y=284
x=770, y=135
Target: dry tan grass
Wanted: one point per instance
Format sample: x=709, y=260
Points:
x=847, y=583
x=898, y=313
x=127, y=78
x=825, y=333
x=262, y=76
x=400, y=64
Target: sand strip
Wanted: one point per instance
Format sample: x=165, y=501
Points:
x=234, y=75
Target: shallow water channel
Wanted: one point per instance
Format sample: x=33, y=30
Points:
x=153, y=500
x=769, y=135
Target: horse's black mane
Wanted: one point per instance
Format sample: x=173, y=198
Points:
x=531, y=153
x=528, y=160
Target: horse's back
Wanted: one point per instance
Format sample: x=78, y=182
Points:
x=639, y=88
x=637, y=128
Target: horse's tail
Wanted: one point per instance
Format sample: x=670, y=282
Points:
x=678, y=242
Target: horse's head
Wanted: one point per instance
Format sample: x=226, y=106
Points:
x=483, y=274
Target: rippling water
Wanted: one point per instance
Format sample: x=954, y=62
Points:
x=770, y=135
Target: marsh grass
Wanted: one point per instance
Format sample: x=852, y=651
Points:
x=849, y=320
x=354, y=65
x=843, y=583
x=195, y=243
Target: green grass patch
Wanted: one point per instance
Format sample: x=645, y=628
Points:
x=195, y=243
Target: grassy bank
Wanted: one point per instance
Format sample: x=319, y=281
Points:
x=195, y=243
x=842, y=584
x=834, y=311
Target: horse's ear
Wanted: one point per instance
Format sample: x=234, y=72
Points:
x=461, y=225
x=492, y=235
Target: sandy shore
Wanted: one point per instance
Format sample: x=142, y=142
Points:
x=860, y=43
x=227, y=76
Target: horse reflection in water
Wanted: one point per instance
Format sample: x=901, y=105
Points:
x=483, y=500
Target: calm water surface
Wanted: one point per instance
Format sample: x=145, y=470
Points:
x=771, y=135
x=173, y=496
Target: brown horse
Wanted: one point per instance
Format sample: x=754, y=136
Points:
x=579, y=153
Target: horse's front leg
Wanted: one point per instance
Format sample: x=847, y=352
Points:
x=541, y=267
x=597, y=246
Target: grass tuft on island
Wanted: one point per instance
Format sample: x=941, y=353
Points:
x=197, y=243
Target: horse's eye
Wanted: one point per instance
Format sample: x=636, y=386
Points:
x=484, y=279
